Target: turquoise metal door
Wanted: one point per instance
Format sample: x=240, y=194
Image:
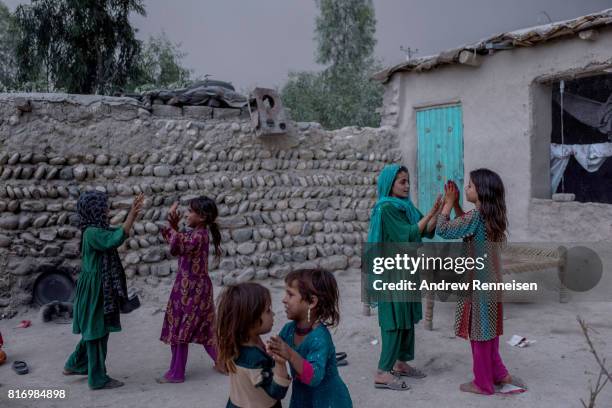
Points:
x=440, y=152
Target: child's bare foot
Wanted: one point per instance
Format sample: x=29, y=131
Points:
x=470, y=387
x=164, y=380
x=506, y=380
x=513, y=380
x=405, y=370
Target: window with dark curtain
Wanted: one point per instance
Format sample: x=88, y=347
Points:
x=587, y=119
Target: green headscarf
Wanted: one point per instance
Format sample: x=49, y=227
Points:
x=385, y=183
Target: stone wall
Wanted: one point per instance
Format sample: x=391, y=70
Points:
x=285, y=202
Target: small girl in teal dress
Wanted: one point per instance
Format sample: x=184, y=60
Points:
x=311, y=302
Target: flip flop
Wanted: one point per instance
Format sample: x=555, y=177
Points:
x=396, y=385
x=517, y=382
x=24, y=324
x=411, y=372
x=20, y=367
x=341, y=363
x=340, y=356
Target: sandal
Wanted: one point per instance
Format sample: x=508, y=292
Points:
x=20, y=367
x=396, y=385
x=411, y=372
x=341, y=363
x=340, y=356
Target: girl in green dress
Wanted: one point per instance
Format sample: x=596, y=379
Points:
x=101, y=288
x=395, y=219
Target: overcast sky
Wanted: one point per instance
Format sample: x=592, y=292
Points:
x=257, y=42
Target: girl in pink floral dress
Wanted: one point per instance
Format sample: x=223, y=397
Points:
x=190, y=314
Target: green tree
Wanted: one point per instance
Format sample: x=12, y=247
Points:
x=345, y=32
x=342, y=94
x=160, y=65
x=80, y=46
x=8, y=69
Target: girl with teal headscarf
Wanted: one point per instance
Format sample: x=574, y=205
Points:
x=394, y=218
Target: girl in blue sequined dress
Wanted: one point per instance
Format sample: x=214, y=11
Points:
x=311, y=302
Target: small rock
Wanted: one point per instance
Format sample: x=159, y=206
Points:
x=280, y=271
x=246, y=276
x=151, y=228
x=102, y=160
x=132, y=258
x=5, y=241
x=51, y=250
x=162, y=269
x=48, y=236
x=10, y=222
x=153, y=255
x=161, y=171
x=242, y=234
x=144, y=270
x=334, y=262
x=66, y=173
x=246, y=248
x=33, y=206
x=293, y=228
x=65, y=233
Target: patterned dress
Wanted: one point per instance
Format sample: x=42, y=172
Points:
x=190, y=313
x=323, y=388
x=478, y=316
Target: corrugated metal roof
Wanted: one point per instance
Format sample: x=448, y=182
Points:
x=525, y=37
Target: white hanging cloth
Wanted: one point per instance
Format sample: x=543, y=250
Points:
x=590, y=156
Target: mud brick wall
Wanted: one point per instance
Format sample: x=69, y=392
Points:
x=286, y=202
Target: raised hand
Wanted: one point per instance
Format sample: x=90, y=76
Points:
x=137, y=204
x=173, y=216
x=454, y=185
x=451, y=193
x=278, y=359
x=134, y=212
x=437, y=206
x=277, y=348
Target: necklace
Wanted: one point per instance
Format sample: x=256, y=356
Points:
x=302, y=331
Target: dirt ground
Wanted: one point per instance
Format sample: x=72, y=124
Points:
x=557, y=369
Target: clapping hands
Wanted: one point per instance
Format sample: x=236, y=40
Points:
x=137, y=204
x=451, y=193
x=278, y=349
x=437, y=206
x=174, y=216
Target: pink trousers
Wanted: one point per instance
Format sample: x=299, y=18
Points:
x=176, y=373
x=488, y=365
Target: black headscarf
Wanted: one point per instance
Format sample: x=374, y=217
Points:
x=92, y=209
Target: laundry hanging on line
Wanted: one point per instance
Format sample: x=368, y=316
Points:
x=590, y=157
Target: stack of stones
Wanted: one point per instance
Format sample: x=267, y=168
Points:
x=285, y=202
